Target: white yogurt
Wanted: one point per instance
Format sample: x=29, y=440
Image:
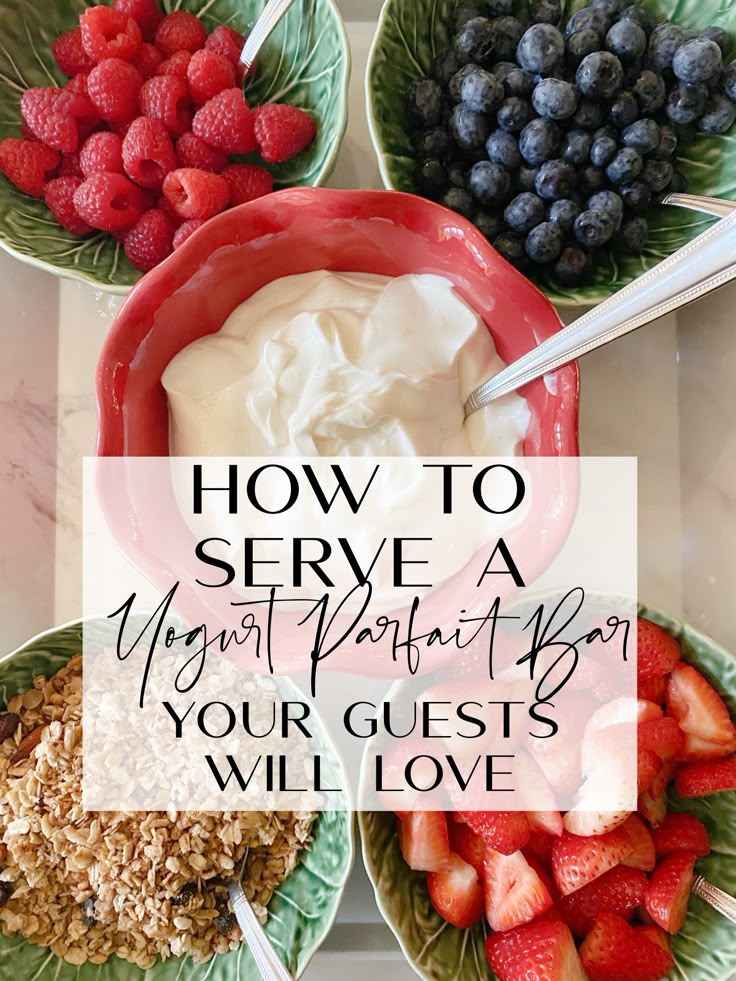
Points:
x=343, y=364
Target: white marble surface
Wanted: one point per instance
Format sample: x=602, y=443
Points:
x=663, y=394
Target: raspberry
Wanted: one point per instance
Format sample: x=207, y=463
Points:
x=177, y=64
x=247, y=182
x=180, y=31
x=69, y=53
x=282, y=131
x=148, y=153
x=122, y=126
x=196, y=193
x=209, y=73
x=51, y=115
x=27, y=133
x=78, y=84
x=146, y=14
x=114, y=87
x=150, y=240
x=26, y=164
x=193, y=152
x=226, y=122
x=70, y=166
x=166, y=97
x=186, y=229
x=59, y=197
x=227, y=42
x=106, y=33
x=147, y=61
x=102, y=153
x=109, y=202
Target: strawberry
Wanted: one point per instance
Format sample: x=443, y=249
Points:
x=661, y=736
x=669, y=890
x=699, y=779
x=648, y=711
x=424, y=840
x=589, y=823
x=647, y=767
x=653, y=689
x=577, y=861
x=619, y=891
x=532, y=782
x=657, y=652
x=698, y=707
x=695, y=749
x=665, y=774
x=514, y=893
x=467, y=844
x=652, y=809
x=615, y=951
x=456, y=893
x=506, y=831
x=643, y=855
x=681, y=832
x=543, y=951
x=656, y=934
x=539, y=847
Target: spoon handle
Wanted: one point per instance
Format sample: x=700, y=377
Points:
x=718, y=207
x=269, y=18
x=715, y=897
x=694, y=270
x=269, y=963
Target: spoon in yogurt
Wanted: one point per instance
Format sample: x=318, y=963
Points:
x=696, y=269
x=267, y=21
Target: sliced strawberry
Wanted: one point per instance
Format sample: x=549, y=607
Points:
x=647, y=767
x=662, y=736
x=643, y=855
x=545, y=823
x=648, y=711
x=652, y=809
x=544, y=951
x=614, y=951
x=467, y=844
x=506, y=831
x=456, y=893
x=577, y=861
x=619, y=891
x=539, y=847
x=695, y=749
x=424, y=840
x=514, y=893
x=591, y=823
x=656, y=934
x=652, y=689
x=699, y=779
x=698, y=707
x=662, y=780
x=669, y=890
x=657, y=652
x=681, y=832
x=535, y=791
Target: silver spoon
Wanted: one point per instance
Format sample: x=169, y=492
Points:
x=715, y=897
x=689, y=273
x=270, y=965
x=269, y=18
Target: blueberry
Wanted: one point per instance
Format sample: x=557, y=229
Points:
x=459, y=200
x=718, y=116
x=555, y=180
x=546, y=12
x=611, y=8
x=573, y=267
x=524, y=212
x=513, y=114
x=511, y=247
x=475, y=42
x=606, y=131
x=457, y=175
x=650, y=92
x=634, y=234
x=625, y=166
x=580, y=44
x=627, y=41
x=431, y=177
x=591, y=179
x=599, y=75
x=555, y=99
x=576, y=146
x=481, y=91
x=602, y=151
x=425, y=103
x=526, y=178
x=624, y=110
x=632, y=72
x=678, y=182
x=456, y=82
x=589, y=115
x=540, y=140
x=563, y=213
x=503, y=69
x=717, y=34
x=503, y=148
x=540, y=49
x=657, y=174
x=643, y=135
x=519, y=82
x=463, y=13
x=444, y=66
x=607, y=201
x=728, y=80
x=489, y=182
x=664, y=41
x=544, y=242
x=591, y=18
x=508, y=32
x=686, y=103
x=639, y=16
x=636, y=196
x=436, y=143
x=594, y=228
x=667, y=142
x=489, y=225
x=697, y=61
x=469, y=129
x=501, y=8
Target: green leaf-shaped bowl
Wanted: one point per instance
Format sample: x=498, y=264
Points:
x=301, y=911
x=411, y=32
x=705, y=950
x=306, y=62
